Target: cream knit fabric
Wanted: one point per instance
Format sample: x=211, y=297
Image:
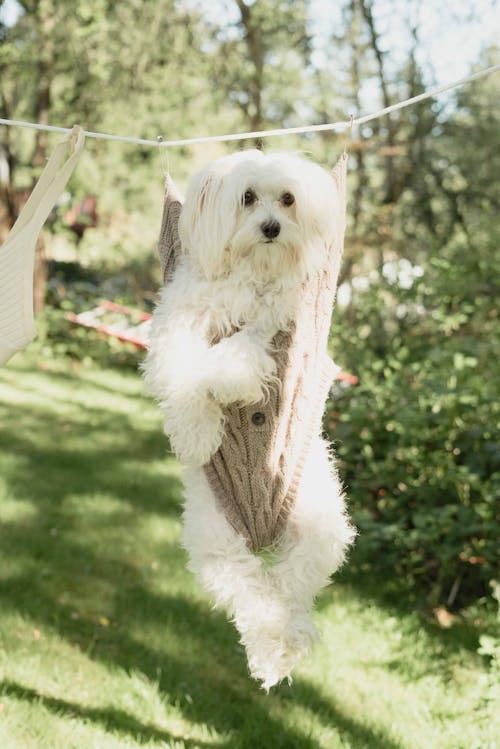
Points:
x=17, y=254
x=256, y=471
x=169, y=244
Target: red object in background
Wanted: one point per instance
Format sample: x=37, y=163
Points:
x=125, y=323
x=132, y=326
x=350, y=379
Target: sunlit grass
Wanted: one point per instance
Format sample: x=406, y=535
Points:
x=106, y=640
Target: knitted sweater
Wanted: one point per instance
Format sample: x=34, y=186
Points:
x=17, y=254
x=256, y=471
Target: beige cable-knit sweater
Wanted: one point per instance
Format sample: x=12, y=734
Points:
x=256, y=471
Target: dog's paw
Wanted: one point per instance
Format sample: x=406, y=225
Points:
x=195, y=429
x=242, y=389
x=239, y=370
x=274, y=652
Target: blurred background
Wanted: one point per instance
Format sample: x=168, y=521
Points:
x=416, y=321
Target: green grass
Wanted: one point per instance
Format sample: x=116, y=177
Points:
x=106, y=641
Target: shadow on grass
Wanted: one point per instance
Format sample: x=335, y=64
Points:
x=199, y=666
x=207, y=680
x=352, y=731
x=64, y=456
x=109, y=718
x=84, y=379
x=391, y=594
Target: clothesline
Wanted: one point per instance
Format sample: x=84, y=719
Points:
x=330, y=126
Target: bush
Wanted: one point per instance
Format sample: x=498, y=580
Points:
x=418, y=437
x=72, y=288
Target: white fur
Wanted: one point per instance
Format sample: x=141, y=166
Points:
x=230, y=277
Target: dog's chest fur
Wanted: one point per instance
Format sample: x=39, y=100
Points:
x=236, y=301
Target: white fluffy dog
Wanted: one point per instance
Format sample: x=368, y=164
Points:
x=253, y=228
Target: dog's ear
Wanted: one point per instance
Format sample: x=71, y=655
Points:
x=169, y=243
x=206, y=222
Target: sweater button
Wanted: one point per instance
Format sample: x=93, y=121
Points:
x=258, y=418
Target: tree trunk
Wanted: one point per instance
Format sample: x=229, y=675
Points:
x=256, y=56
x=366, y=7
x=360, y=170
x=8, y=208
x=42, y=111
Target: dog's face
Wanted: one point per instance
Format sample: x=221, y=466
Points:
x=273, y=214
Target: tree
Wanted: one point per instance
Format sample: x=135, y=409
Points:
x=259, y=61
x=126, y=66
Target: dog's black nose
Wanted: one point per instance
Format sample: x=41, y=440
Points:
x=271, y=229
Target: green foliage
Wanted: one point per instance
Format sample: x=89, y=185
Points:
x=61, y=338
x=419, y=436
x=73, y=289
x=260, y=58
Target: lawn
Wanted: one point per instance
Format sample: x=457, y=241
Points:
x=106, y=641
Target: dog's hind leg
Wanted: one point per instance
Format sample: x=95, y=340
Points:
x=313, y=547
x=238, y=582
x=217, y=554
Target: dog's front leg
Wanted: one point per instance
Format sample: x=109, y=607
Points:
x=239, y=367
x=176, y=373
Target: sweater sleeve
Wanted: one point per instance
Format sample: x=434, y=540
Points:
x=169, y=244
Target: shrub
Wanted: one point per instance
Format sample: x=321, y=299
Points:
x=418, y=437
x=72, y=288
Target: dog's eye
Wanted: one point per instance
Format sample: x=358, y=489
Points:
x=249, y=197
x=287, y=199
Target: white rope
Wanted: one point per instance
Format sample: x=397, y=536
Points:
x=331, y=126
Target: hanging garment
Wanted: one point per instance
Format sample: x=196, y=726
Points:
x=256, y=471
x=17, y=254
